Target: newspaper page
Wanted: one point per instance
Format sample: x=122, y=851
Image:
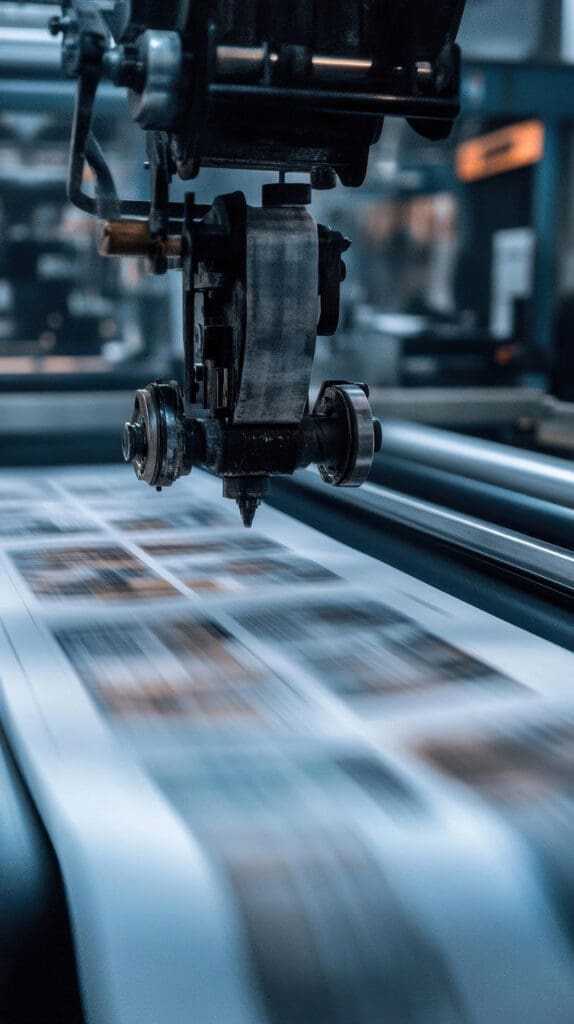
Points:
x=286, y=783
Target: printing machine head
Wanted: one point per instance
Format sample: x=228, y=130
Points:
x=287, y=87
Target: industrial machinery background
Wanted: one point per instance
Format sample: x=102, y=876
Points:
x=299, y=87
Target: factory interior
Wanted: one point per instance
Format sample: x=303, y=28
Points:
x=287, y=332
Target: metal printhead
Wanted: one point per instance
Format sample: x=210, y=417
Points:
x=288, y=87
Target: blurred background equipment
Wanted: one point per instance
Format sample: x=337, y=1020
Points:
x=72, y=326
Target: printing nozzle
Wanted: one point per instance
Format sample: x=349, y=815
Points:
x=339, y=437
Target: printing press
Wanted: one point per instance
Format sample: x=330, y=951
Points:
x=307, y=760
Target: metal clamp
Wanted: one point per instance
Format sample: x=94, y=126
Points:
x=156, y=106
x=154, y=440
x=350, y=403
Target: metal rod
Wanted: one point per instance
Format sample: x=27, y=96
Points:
x=81, y=127
x=249, y=61
x=545, y=563
x=540, y=476
x=80, y=149
x=363, y=104
x=28, y=51
x=106, y=195
x=514, y=511
x=128, y=237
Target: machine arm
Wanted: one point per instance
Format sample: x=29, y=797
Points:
x=288, y=87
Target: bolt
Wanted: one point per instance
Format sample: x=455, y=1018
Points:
x=59, y=24
x=425, y=74
x=323, y=177
x=133, y=441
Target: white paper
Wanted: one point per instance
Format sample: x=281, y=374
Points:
x=260, y=758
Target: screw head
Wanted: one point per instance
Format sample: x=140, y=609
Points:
x=58, y=24
x=133, y=441
x=323, y=177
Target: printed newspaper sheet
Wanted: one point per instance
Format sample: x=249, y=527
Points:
x=285, y=782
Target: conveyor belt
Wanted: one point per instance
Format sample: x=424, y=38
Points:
x=244, y=749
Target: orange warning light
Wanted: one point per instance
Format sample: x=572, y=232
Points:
x=506, y=149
